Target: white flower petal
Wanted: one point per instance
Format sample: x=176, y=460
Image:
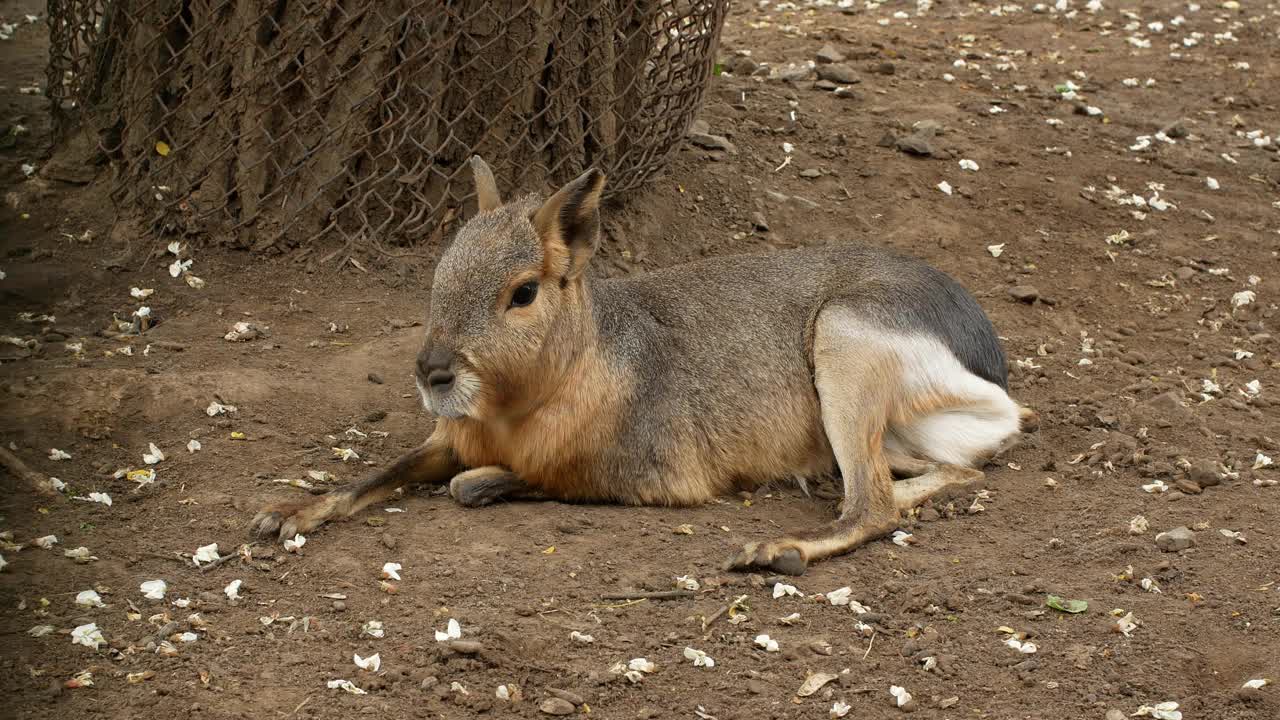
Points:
x=780, y=589
x=154, y=589
x=347, y=686
x=453, y=631
x=205, y=554
x=900, y=694
x=373, y=663
x=88, y=635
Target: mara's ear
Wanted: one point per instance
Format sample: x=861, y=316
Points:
x=570, y=221
x=487, y=197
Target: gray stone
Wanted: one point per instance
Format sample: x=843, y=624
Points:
x=838, y=73
x=933, y=127
x=572, y=697
x=1204, y=473
x=1187, y=486
x=1024, y=293
x=759, y=223
x=828, y=55
x=557, y=706
x=847, y=92
x=794, y=72
x=1176, y=540
x=712, y=142
x=826, y=85
x=917, y=143
x=810, y=173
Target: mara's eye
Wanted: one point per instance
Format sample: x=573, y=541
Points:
x=524, y=294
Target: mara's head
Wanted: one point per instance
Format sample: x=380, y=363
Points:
x=509, y=299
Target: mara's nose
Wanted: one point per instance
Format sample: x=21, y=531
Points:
x=440, y=379
x=434, y=368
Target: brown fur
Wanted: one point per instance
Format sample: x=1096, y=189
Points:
x=672, y=388
x=548, y=446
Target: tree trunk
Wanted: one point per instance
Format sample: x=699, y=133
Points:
x=273, y=124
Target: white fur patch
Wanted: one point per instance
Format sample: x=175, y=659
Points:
x=426, y=396
x=458, y=402
x=958, y=435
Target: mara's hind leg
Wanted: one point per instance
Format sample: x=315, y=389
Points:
x=903, y=465
x=919, y=480
x=942, y=482
x=859, y=381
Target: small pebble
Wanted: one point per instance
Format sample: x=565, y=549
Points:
x=574, y=698
x=838, y=73
x=1187, y=486
x=376, y=379
x=828, y=55
x=1175, y=540
x=1204, y=473
x=1024, y=293
x=557, y=706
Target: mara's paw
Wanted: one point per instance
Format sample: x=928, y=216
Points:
x=284, y=520
x=781, y=556
x=483, y=486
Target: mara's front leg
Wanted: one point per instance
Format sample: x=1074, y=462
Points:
x=433, y=463
x=486, y=485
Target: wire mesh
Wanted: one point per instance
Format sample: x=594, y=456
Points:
x=278, y=122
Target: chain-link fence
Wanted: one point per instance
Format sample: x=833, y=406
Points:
x=276, y=122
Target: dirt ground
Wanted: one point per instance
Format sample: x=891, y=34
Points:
x=1141, y=332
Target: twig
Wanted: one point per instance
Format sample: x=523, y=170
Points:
x=661, y=595
x=215, y=563
x=627, y=603
x=295, y=710
x=548, y=620
x=19, y=469
x=161, y=556
x=706, y=621
x=873, y=642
